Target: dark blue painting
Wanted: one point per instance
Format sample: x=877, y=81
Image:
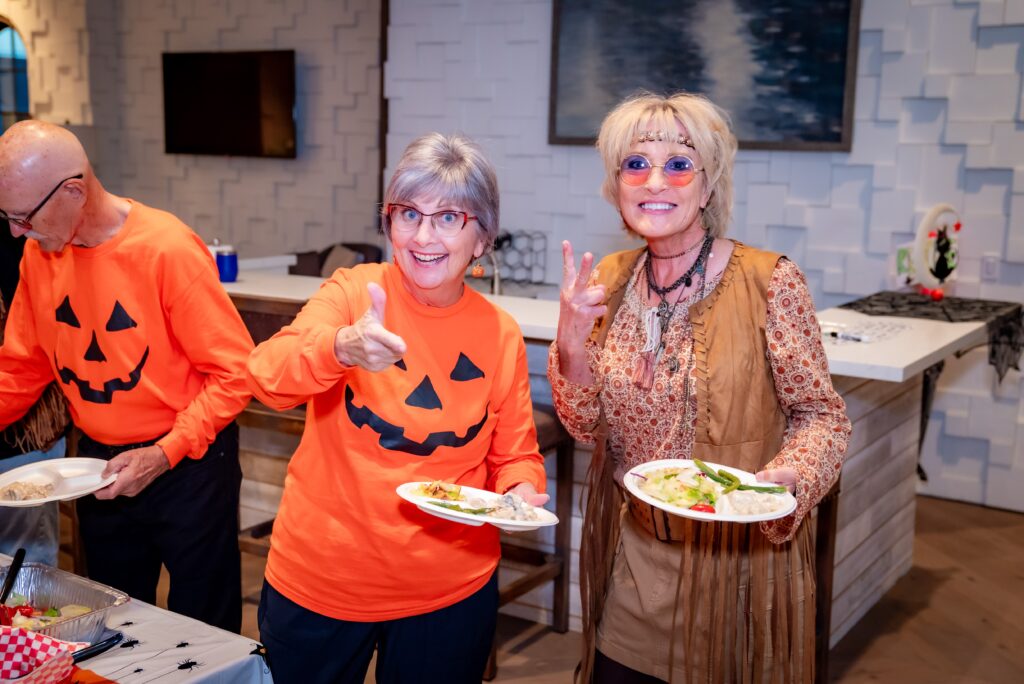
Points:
x=783, y=69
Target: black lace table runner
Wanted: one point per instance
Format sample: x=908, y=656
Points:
x=1004, y=320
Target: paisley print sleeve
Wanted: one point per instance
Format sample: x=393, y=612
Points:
x=817, y=428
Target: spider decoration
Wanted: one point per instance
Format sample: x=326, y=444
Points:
x=189, y=665
x=130, y=643
x=127, y=623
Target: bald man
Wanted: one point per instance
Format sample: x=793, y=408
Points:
x=121, y=305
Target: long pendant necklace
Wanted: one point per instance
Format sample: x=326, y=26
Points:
x=657, y=328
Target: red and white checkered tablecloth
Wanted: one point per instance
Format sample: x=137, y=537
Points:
x=31, y=658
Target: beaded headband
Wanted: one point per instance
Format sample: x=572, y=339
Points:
x=661, y=136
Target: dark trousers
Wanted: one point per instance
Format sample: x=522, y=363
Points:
x=449, y=645
x=186, y=519
x=608, y=671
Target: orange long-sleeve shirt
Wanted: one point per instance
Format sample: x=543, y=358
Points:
x=138, y=332
x=457, y=408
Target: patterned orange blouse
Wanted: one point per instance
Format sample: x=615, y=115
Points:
x=660, y=423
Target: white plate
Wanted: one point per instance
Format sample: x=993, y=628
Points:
x=70, y=477
x=632, y=483
x=407, y=492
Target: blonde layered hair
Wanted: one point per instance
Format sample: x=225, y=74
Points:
x=707, y=125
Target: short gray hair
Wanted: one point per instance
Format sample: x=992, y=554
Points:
x=454, y=169
x=706, y=123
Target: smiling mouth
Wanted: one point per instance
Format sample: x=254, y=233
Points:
x=393, y=437
x=428, y=259
x=657, y=206
x=106, y=394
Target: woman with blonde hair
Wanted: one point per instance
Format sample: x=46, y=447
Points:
x=693, y=346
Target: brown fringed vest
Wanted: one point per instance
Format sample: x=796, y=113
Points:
x=42, y=425
x=740, y=424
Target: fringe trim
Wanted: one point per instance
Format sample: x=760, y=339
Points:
x=45, y=422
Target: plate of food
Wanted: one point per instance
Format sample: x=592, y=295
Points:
x=708, y=491
x=58, y=479
x=471, y=506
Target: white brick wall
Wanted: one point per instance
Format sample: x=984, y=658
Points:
x=939, y=118
x=57, y=52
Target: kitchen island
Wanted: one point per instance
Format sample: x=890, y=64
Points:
x=877, y=365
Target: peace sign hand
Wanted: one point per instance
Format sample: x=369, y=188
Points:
x=367, y=343
x=581, y=302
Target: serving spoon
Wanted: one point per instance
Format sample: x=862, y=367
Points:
x=12, y=574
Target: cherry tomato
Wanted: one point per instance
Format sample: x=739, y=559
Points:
x=703, y=508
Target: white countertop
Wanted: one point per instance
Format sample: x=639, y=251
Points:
x=909, y=346
x=537, y=318
x=920, y=344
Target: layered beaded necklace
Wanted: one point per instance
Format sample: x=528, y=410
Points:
x=657, y=320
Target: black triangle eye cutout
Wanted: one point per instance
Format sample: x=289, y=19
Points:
x=401, y=364
x=119, y=319
x=66, y=315
x=465, y=370
x=94, y=353
x=424, y=396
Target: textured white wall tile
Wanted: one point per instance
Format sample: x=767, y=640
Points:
x=1014, y=12
x=990, y=12
x=984, y=97
x=964, y=133
x=1007, y=144
x=922, y=121
x=951, y=50
x=998, y=50
x=879, y=14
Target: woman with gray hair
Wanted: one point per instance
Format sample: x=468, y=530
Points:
x=407, y=376
x=692, y=347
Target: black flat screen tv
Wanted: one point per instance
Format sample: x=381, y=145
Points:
x=230, y=103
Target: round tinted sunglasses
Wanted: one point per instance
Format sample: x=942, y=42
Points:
x=679, y=171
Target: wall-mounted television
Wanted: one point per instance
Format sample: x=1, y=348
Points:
x=230, y=103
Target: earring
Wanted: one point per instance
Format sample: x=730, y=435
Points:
x=477, y=271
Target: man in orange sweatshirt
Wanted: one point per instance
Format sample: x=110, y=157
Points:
x=121, y=305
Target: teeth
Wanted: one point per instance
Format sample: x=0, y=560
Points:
x=428, y=258
x=656, y=206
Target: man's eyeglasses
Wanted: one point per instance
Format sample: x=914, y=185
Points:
x=26, y=222
x=446, y=222
x=679, y=170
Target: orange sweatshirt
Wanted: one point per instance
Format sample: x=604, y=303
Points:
x=139, y=333
x=456, y=408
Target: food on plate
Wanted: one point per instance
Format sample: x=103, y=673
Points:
x=440, y=490
x=703, y=489
x=18, y=612
x=507, y=507
x=25, y=491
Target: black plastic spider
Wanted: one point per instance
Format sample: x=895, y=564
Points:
x=128, y=623
x=188, y=665
x=182, y=644
x=130, y=643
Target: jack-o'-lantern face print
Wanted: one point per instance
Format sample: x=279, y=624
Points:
x=442, y=397
x=96, y=364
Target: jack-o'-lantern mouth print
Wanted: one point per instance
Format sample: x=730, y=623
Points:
x=424, y=396
x=119, y=320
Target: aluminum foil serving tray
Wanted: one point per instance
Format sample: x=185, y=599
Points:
x=45, y=587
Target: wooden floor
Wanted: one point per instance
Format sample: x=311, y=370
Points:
x=954, y=618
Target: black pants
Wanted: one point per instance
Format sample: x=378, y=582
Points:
x=608, y=671
x=186, y=519
x=449, y=645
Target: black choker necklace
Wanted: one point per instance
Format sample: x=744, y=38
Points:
x=686, y=251
x=696, y=269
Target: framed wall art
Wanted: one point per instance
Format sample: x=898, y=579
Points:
x=784, y=69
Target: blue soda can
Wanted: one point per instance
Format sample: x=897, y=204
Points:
x=227, y=264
